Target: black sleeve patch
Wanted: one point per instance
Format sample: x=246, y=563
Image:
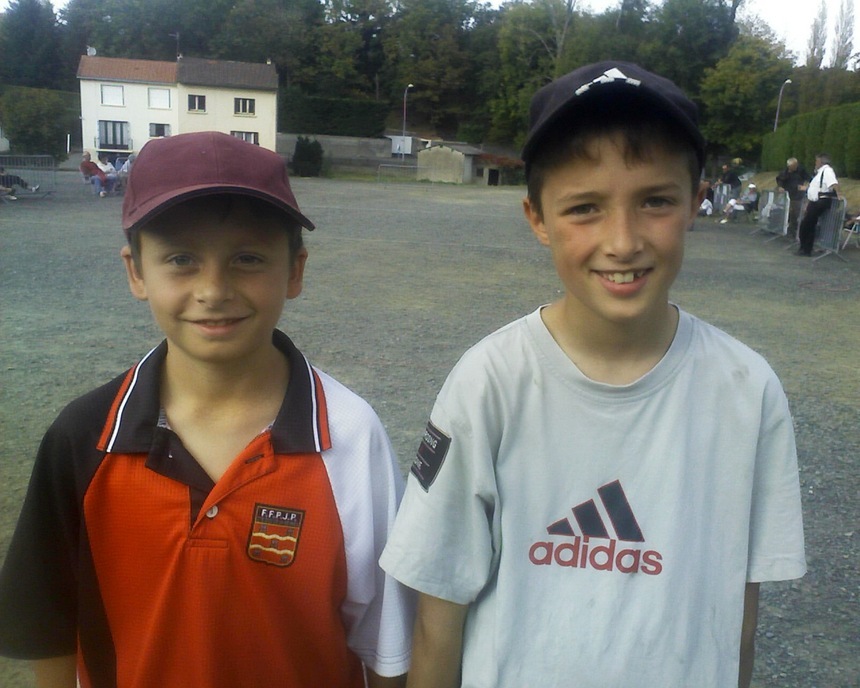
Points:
x=431, y=456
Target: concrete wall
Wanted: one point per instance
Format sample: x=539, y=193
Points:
x=442, y=164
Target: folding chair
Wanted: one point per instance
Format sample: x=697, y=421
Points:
x=852, y=232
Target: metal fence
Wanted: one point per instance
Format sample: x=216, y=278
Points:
x=393, y=172
x=31, y=171
x=722, y=194
x=773, y=213
x=828, y=232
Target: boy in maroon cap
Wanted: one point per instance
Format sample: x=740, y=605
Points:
x=604, y=482
x=213, y=517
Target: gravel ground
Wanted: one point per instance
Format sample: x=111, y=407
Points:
x=402, y=278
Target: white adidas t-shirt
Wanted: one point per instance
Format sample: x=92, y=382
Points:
x=602, y=534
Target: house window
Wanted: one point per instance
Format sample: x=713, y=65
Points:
x=196, y=103
x=243, y=106
x=156, y=130
x=159, y=98
x=113, y=136
x=249, y=136
x=112, y=95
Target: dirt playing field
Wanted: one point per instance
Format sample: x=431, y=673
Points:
x=402, y=278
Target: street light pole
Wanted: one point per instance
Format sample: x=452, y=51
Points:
x=403, y=138
x=779, y=102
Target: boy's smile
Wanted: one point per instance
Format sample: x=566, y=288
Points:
x=616, y=231
x=216, y=285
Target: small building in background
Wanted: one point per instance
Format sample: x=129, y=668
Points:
x=454, y=163
x=125, y=103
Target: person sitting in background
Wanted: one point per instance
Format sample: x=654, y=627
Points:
x=106, y=166
x=748, y=202
x=12, y=180
x=92, y=173
x=125, y=169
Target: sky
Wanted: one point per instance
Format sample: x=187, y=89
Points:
x=790, y=20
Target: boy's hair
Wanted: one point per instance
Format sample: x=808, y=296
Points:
x=639, y=131
x=608, y=98
x=179, y=168
x=222, y=205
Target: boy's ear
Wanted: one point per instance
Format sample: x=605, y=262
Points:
x=535, y=219
x=135, y=280
x=297, y=273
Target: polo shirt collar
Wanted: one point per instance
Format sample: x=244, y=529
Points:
x=301, y=425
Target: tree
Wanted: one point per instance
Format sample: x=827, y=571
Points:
x=843, y=41
x=29, y=39
x=36, y=121
x=425, y=47
x=739, y=95
x=352, y=41
x=283, y=30
x=817, y=38
x=524, y=66
x=686, y=37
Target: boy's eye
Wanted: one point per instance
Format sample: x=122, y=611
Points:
x=248, y=259
x=582, y=209
x=180, y=260
x=658, y=202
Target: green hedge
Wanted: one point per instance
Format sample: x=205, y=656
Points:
x=332, y=116
x=835, y=131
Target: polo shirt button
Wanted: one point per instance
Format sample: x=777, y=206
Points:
x=213, y=511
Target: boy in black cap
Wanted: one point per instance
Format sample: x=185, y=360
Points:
x=604, y=482
x=213, y=517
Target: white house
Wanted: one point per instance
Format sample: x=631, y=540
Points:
x=125, y=103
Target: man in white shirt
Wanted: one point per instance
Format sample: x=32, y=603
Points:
x=820, y=194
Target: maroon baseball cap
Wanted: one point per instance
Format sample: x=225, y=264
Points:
x=174, y=169
x=598, y=84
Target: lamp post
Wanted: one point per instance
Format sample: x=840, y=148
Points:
x=403, y=138
x=779, y=102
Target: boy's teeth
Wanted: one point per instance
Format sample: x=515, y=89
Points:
x=621, y=277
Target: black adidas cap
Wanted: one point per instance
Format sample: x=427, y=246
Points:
x=598, y=83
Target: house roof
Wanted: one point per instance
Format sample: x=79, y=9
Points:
x=187, y=70
x=123, y=69
x=198, y=72
x=464, y=148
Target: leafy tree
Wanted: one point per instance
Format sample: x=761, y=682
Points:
x=36, y=121
x=739, y=95
x=817, y=37
x=352, y=41
x=843, y=41
x=524, y=66
x=425, y=47
x=29, y=38
x=686, y=37
x=283, y=30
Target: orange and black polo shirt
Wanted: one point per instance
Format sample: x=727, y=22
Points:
x=127, y=553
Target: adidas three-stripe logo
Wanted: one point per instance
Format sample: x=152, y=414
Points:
x=577, y=551
x=591, y=524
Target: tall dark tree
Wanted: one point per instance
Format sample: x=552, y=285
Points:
x=29, y=40
x=425, y=47
x=284, y=31
x=352, y=42
x=686, y=37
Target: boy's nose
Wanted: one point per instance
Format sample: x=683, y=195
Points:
x=622, y=237
x=213, y=286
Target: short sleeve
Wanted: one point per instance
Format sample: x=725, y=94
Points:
x=446, y=538
x=378, y=612
x=776, y=550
